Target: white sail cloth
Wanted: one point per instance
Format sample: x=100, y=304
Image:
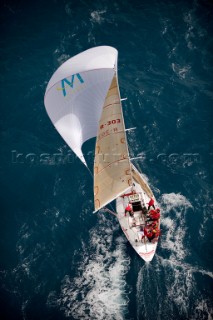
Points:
x=76, y=93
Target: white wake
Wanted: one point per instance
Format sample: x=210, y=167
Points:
x=99, y=291
x=169, y=276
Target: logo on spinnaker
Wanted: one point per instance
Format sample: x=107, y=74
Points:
x=66, y=82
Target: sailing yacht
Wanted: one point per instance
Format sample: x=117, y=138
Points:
x=83, y=101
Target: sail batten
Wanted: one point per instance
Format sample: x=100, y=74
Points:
x=111, y=163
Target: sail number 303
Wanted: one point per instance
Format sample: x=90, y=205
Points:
x=110, y=122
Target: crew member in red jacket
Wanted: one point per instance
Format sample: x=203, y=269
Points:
x=151, y=204
x=128, y=209
x=149, y=234
x=154, y=214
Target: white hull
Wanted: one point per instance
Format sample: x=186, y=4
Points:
x=132, y=229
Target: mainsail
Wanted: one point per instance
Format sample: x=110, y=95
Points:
x=112, y=171
x=75, y=95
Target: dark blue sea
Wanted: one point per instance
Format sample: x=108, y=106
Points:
x=58, y=260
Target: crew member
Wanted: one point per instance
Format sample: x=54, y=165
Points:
x=149, y=234
x=151, y=204
x=154, y=215
x=128, y=209
x=156, y=232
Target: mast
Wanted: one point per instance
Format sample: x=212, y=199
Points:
x=124, y=130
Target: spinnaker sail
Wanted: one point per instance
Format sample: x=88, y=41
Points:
x=76, y=93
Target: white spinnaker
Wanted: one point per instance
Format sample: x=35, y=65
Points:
x=76, y=93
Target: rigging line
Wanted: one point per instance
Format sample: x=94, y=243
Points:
x=90, y=172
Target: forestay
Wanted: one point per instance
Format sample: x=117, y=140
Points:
x=76, y=93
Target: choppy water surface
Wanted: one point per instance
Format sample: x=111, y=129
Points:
x=58, y=259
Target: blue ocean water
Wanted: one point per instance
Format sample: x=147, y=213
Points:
x=58, y=259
